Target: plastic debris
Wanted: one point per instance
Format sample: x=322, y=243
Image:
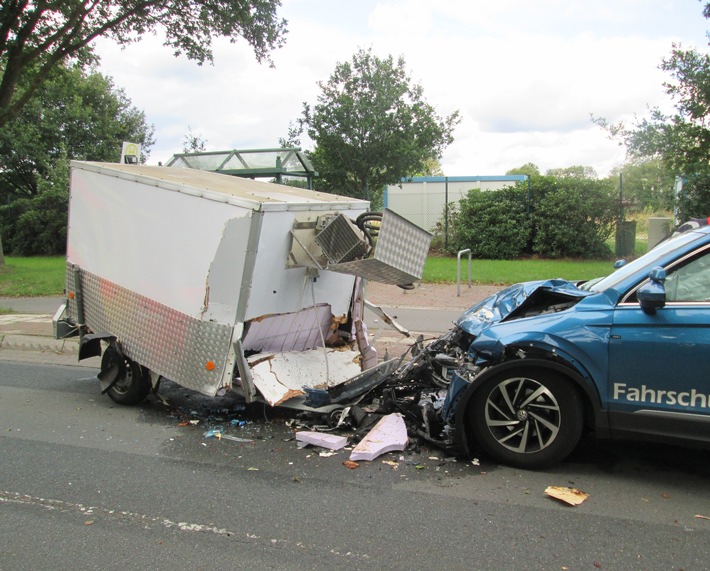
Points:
x=236, y=438
x=389, y=434
x=213, y=433
x=330, y=441
x=570, y=496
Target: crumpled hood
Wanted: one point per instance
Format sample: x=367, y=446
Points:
x=514, y=299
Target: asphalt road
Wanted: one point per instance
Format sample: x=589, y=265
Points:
x=86, y=484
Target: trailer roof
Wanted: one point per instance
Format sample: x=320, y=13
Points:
x=223, y=188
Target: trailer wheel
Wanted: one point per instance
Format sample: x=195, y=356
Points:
x=132, y=385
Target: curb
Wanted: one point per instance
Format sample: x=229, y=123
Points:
x=36, y=343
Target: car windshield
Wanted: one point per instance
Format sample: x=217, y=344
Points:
x=648, y=260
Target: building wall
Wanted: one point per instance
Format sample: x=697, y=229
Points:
x=422, y=200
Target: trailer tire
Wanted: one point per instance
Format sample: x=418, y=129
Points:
x=132, y=386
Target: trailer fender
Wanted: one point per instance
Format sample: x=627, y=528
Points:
x=113, y=366
x=90, y=344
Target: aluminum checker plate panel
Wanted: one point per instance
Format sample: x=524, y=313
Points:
x=400, y=253
x=163, y=339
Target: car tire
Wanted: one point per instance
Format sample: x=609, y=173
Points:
x=526, y=418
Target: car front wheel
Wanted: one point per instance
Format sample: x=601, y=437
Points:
x=526, y=419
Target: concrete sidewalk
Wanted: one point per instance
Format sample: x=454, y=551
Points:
x=30, y=337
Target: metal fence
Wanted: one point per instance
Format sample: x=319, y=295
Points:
x=423, y=200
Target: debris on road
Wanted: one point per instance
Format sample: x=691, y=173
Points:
x=330, y=441
x=214, y=433
x=389, y=435
x=237, y=439
x=570, y=496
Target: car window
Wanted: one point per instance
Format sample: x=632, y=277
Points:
x=690, y=281
x=648, y=260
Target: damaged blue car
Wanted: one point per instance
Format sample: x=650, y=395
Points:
x=525, y=372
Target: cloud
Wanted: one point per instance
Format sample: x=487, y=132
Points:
x=525, y=76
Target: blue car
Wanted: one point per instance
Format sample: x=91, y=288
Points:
x=527, y=370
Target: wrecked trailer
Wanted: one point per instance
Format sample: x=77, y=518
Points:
x=222, y=283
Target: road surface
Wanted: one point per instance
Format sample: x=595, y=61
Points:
x=86, y=484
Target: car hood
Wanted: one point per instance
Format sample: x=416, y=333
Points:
x=521, y=300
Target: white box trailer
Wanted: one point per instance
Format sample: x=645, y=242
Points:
x=218, y=282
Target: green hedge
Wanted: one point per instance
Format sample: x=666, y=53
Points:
x=551, y=217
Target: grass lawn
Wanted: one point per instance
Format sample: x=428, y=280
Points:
x=30, y=277
x=502, y=272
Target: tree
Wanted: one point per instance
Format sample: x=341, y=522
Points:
x=36, y=36
x=193, y=142
x=38, y=225
x=432, y=167
x=529, y=169
x=292, y=140
x=75, y=114
x=645, y=185
x=679, y=142
x=682, y=139
x=577, y=171
x=372, y=126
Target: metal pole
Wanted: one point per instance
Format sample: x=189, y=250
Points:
x=446, y=213
x=458, y=270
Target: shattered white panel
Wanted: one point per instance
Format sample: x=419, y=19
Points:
x=225, y=281
x=300, y=331
x=389, y=434
x=282, y=376
x=324, y=440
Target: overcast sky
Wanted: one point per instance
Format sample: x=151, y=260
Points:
x=524, y=75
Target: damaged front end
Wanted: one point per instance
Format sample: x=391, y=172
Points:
x=431, y=384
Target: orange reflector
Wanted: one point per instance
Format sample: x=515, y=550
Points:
x=71, y=295
x=209, y=365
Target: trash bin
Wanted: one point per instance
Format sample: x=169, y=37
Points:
x=625, y=246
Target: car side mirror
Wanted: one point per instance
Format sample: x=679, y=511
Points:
x=652, y=294
x=619, y=264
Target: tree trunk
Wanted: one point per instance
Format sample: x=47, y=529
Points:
x=2, y=254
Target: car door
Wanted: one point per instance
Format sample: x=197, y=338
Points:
x=659, y=365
